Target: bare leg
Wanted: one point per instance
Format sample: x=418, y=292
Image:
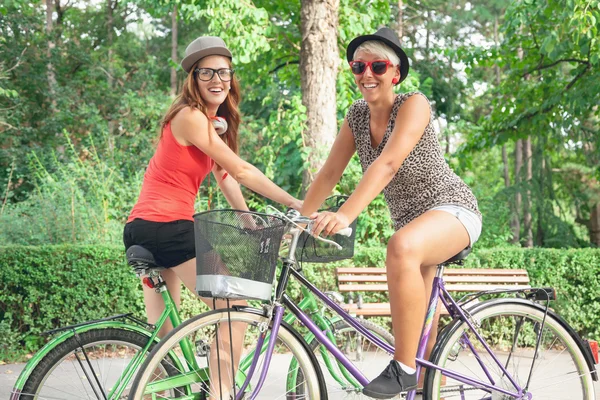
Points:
x=187, y=273
x=154, y=301
x=428, y=240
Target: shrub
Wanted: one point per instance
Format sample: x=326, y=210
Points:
x=45, y=287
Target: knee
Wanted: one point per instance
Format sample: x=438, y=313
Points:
x=402, y=253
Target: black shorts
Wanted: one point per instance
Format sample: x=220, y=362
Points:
x=171, y=243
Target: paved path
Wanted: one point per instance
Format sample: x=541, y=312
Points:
x=9, y=374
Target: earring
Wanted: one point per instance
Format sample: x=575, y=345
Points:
x=395, y=80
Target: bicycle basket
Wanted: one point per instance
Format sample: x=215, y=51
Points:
x=311, y=250
x=236, y=253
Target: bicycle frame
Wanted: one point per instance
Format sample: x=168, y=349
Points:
x=247, y=367
x=439, y=292
x=281, y=301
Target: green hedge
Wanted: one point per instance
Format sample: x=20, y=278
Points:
x=45, y=287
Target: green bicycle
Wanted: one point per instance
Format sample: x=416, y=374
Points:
x=99, y=359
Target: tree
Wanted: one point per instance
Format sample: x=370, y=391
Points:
x=319, y=61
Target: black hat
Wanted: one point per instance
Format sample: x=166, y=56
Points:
x=387, y=36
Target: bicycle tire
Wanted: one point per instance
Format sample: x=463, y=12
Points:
x=523, y=320
x=197, y=326
x=37, y=383
x=340, y=385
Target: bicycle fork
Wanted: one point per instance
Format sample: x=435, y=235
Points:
x=277, y=318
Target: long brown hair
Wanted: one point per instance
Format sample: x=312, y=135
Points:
x=190, y=97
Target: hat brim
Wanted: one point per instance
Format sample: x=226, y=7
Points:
x=404, y=65
x=188, y=62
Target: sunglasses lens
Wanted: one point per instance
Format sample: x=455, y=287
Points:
x=358, y=67
x=379, y=67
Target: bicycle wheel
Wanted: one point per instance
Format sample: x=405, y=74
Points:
x=511, y=330
x=213, y=374
x=367, y=357
x=65, y=373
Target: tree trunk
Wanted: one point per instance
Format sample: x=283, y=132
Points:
x=50, y=68
x=527, y=199
x=427, y=35
x=505, y=164
x=594, y=225
x=109, y=40
x=514, y=206
x=400, y=29
x=515, y=222
x=174, y=50
x=541, y=168
x=318, y=70
x=110, y=70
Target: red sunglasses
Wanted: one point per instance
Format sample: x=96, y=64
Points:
x=378, y=67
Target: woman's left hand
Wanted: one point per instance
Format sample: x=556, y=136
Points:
x=328, y=222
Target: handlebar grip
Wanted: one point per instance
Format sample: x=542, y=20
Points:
x=345, y=232
x=292, y=213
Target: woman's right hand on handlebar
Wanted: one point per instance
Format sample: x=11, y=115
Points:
x=329, y=223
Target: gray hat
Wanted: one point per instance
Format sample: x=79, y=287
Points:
x=202, y=47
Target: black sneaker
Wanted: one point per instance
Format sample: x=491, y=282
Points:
x=391, y=382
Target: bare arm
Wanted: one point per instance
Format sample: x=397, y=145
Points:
x=230, y=188
x=341, y=152
x=194, y=127
x=412, y=119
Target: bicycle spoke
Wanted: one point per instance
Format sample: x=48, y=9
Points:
x=557, y=369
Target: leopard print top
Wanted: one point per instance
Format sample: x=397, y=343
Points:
x=423, y=181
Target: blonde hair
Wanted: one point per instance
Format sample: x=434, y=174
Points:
x=379, y=49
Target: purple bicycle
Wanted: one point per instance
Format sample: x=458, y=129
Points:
x=500, y=344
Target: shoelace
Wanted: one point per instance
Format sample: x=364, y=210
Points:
x=393, y=371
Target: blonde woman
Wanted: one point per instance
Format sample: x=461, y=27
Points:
x=434, y=213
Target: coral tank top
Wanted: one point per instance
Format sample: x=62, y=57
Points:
x=171, y=181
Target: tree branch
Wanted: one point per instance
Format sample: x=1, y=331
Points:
x=550, y=107
x=12, y=168
x=7, y=125
x=579, y=75
x=19, y=60
x=285, y=64
x=541, y=67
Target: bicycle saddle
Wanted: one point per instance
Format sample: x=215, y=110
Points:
x=459, y=257
x=140, y=258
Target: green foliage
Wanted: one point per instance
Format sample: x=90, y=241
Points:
x=112, y=89
x=52, y=286
x=46, y=287
x=81, y=198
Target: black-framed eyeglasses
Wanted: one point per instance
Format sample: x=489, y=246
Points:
x=206, y=74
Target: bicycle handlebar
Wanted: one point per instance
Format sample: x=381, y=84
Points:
x=294, y=217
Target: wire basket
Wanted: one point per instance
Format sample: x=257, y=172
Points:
x=311, y=250
x=236, y=253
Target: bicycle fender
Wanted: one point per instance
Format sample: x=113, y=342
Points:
x=40, y=354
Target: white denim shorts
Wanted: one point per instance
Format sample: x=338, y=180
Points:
x=468, y=218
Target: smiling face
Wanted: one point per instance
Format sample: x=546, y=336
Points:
x=373, y=86
x=214, y=91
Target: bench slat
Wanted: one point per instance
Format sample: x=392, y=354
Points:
x=447, y=279
x=447, y=271
x=377, y=309
x=451, y=287
x=374, y=279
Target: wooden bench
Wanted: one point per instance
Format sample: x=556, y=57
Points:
x=374, y=279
